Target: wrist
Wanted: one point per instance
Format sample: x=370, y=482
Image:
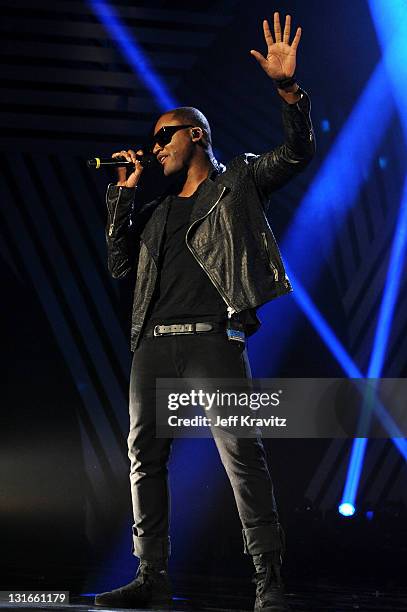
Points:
x=290, y=89
x=286, y=83
x=126, y=185
x=290, y=95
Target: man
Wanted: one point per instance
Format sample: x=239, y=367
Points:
x=204, y=259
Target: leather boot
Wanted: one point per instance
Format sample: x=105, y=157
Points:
x=150, y=588
x=270, y=588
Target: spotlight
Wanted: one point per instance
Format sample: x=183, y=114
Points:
x=346, y=509
x=325, y=125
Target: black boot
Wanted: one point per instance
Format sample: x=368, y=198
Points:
x=270, y=588
x=150, y=588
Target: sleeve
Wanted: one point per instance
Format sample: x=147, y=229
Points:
x=122, y=238
x=274, y=169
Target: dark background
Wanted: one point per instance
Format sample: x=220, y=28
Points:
x=68, y=94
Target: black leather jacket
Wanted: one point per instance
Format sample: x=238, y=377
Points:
x=228, y=235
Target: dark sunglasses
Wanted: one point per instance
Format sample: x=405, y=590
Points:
x=165, y=134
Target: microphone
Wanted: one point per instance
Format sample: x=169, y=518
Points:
x=115, y=162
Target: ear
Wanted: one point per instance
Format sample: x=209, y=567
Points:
x=196, y=134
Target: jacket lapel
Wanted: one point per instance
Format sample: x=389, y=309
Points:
x=153, y=231
x=209, y=192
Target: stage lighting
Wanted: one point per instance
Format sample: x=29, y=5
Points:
x=325, y=125
x=346, y=509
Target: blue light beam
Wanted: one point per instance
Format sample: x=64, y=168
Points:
x=391, y=26
x=323, y=209
x=390, y=19
x=133, y=53
x=345, y=361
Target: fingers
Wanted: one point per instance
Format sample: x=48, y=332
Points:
x=296, y=39
x=277, y=31
x=259, y=57
x=130, y=155
x=277, y=27
x=134, y=173
x=287, y=28
x=124, y=154
x=267, y=33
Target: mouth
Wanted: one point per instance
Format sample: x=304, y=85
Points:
x=162, y=158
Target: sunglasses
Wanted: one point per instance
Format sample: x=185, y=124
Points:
x=165, y=134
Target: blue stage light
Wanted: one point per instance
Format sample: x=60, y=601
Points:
x=391, y=26
x=395, y=268
x=325, y=125
x=322, y=327
x=338, y=182
x=369, y=515
x=323, y=210
x=132, y=53
x=354, y=471
x=352, y=371
x=343, y=358
x=390, y=20
x=335, y=188
x=391, y=290
x=346, y=509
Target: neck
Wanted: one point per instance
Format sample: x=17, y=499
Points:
x=196, y=174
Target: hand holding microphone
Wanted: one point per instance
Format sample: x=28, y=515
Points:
x=123, y=160
x=134, y=177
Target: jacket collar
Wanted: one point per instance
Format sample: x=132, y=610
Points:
x=208, y=193
x=218, y=168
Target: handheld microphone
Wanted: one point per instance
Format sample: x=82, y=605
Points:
x=116, y=162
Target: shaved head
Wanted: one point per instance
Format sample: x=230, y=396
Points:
x=193, y=116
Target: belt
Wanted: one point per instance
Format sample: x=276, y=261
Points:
x=188, y=328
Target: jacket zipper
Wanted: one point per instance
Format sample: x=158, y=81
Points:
x=114, y=214
x=305, y=116
x=266, y=247
x=230, y=309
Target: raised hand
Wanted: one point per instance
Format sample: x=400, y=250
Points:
x=281, y=56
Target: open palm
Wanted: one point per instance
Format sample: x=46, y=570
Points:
x=281, y=56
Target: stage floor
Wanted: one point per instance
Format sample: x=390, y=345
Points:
x=307, y=598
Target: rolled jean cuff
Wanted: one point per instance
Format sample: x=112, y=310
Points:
x=263, y=539
x=151, y=548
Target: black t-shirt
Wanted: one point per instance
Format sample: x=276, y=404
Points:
x=183, y=291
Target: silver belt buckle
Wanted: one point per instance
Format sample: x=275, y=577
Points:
x=176, y=328
x=184, y=328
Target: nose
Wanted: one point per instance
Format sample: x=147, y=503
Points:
x=156, y=148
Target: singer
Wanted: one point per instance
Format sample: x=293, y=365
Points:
x=203, y=260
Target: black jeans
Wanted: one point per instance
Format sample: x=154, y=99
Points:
x=203, y=355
